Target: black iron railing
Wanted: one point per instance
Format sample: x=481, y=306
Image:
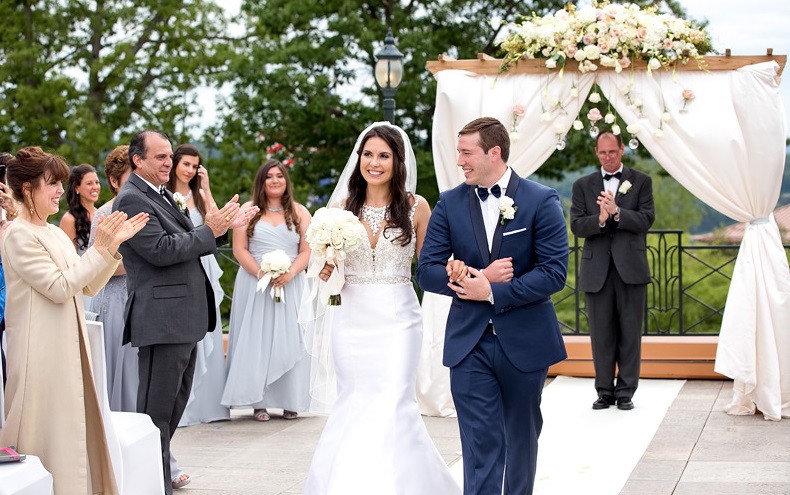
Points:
x=686, y=295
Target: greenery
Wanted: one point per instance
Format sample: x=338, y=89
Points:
x=700, y=287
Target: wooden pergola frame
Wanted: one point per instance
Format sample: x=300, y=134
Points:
x=487, y=65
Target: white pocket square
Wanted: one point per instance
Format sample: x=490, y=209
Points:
x=514, y=232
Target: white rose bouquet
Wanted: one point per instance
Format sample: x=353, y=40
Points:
x=332, y=234
x=507, y=210
x=274, y=264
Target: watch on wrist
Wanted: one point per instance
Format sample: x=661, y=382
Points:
x=491, y=297
x=617, y=211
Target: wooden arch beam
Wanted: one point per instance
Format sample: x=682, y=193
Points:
x=485, y=64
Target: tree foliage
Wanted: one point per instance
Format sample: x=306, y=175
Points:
x=77, y=75
x=303, y=78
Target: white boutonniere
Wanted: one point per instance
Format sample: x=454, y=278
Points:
x=625, y=186
x=181, y=202
x=507, y=210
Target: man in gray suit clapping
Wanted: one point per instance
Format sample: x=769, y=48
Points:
x=171, y=302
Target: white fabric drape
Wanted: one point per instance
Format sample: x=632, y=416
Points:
x=727, y=148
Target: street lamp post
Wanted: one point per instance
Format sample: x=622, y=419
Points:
x=389, y=74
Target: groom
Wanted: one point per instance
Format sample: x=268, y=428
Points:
x=502, y=332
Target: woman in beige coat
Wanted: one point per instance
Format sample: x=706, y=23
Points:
x=52, y=408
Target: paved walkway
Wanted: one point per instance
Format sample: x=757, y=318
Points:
x=698, y=449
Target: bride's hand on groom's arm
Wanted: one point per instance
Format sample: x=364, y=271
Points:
x=456, y=270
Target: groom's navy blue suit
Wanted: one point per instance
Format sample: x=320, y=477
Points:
x=497, y=379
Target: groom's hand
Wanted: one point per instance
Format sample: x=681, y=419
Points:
x=473, y=288
x=500, y=270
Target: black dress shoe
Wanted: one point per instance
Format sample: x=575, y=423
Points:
x=625, y=404
x=603, y=402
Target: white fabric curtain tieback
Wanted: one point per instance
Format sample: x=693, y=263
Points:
x=759, y=221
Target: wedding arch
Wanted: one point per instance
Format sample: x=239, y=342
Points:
x=726, y=146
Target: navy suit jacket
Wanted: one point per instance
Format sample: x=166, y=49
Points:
x=523, y=313
x=170, y=297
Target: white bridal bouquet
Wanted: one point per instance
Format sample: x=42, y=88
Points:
x=332, y=234
x=274, y=264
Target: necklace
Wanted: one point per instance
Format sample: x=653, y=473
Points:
x=374, y=216
x=275, y=209
x=189, y=195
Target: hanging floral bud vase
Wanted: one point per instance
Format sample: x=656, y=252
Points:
x=594, y=131
x=633, y=143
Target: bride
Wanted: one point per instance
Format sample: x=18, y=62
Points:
x=375, y=440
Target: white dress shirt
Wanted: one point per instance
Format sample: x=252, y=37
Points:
x=490, y=208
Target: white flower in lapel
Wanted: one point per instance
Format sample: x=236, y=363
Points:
x=507, y=210
x=181, y=202
x=625, y=186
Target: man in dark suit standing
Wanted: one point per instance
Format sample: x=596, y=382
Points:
x=613, y=210
x=171, y=303
x=502, y=332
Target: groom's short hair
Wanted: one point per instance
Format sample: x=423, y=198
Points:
x=492, y=133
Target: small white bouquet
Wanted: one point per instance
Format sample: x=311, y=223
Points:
x=181, y=201
x=274, y=264
x=332, y=234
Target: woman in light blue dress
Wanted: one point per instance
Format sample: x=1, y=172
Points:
x=268, y=365
x=187, y=178
x=110, y=302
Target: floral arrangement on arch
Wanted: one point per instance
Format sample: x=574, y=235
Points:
x=606, y=35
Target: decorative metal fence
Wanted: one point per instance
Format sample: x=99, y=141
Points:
x=686, y=295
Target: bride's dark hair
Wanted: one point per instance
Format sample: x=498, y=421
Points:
x=397, y=215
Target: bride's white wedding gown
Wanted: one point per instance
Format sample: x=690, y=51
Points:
x=375, y=441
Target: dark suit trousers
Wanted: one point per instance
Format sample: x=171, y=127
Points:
x=499, y=417
x=616, y=313
x=166, y=372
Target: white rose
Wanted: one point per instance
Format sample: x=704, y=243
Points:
x=666, y=117
x=578, y=125
x=654, y=64
x=551, y=63
x=505, y=202
x=632, y=129
x=592, y=52
x=594, y=98
x=616, y=130
x=609, y=118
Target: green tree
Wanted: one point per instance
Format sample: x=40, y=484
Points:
x=78, y=76
x=303, y=77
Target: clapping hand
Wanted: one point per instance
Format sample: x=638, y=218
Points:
x=608, y=206
x=116, y=228
x=244, y=216
x=219, y=220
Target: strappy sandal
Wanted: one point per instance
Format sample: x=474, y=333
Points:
x=290, y=414
x=181, y=481
x=261, y=415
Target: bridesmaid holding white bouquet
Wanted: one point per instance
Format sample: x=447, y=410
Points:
x=268, y=365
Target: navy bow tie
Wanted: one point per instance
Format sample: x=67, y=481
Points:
x=482, y=192
x=615, y=175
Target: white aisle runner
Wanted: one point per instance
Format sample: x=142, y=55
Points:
x=593, y=452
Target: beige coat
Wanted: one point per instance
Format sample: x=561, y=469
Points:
x=52, y=408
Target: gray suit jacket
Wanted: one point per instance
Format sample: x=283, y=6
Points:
x=170, y=297
x=624, y=241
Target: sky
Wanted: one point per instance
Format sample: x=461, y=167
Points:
x=745, y=27
x=748, y=28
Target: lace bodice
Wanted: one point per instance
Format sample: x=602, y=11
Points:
x=388, y=262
